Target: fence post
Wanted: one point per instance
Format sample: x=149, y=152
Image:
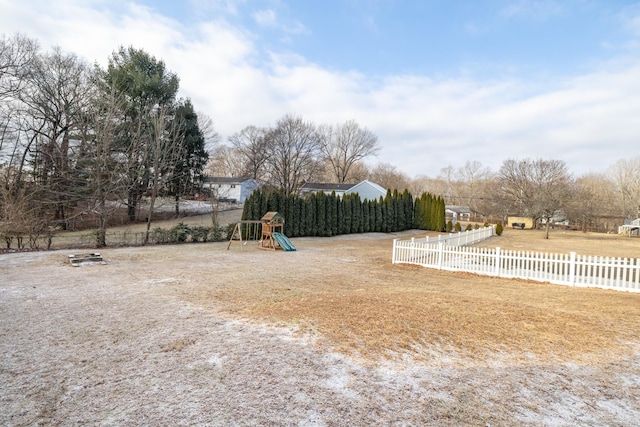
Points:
x=395, y=248
x=413, y=249
x=440, y=254
x=496, y=267
x=572, y=268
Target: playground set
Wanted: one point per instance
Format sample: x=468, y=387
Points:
x=270, y=229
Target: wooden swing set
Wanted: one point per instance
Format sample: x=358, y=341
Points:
x=271, y=222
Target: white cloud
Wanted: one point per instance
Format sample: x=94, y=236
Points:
x=269, y=19
x=265, y=18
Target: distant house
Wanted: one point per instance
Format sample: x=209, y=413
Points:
x=230, y=189
x=457, y=213
x=317, y=187
x=365, y=189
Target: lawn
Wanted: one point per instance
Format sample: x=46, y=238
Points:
x=332, y=334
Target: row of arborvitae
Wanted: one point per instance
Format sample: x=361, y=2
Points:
x=329, y=215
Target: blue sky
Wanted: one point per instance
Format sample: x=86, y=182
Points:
x=440, y=82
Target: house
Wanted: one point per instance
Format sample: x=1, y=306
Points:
x=457, y=213
x=365, y=189
x=230, y=189
x=316, y=187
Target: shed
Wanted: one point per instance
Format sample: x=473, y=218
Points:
x=520, y=222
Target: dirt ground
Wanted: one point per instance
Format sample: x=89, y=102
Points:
x=330, y=335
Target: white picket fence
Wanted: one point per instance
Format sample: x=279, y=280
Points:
x=622, y=274
x=462, y=238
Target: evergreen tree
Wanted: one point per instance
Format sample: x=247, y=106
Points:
x=321, y=214
x=340, y=209
x=190, y=156
x=387, y=213
x=248, y=206
x=302, y=214
x=379, y=218
x=262, y=207
x=311, y=211
x=407, y=203
x=366, y=223
x=356, y=214
x=373, y=215
x=347, y=214
x=417, y=211
x=292, y=217
x=441, y=214
x=333, y=212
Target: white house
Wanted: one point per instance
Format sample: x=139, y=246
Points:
x=230, y=189
x=457, y=213
x=316, y=187
x=365, y=189
x=368, y=190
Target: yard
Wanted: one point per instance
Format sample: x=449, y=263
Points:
x=332, y=334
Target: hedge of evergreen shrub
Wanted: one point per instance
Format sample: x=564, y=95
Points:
x=328, y=215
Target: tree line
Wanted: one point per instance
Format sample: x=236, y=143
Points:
x=542, y=189
x=295, y=151
x=81, y=140
x=325, y=215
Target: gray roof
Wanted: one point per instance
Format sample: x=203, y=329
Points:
x=458, y=209
x=317, y=186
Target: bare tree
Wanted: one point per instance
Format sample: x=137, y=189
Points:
x=294, y=153
x=165, y=148
x=388, y=176
x=537, y=188
x=211, y=137
x=594, y=200
x=253, y=145
x=424, y=184
x=346, y=145
x=56, y=99
x=16, y=56
x=626, y=175
x=225, y=161
x=100, y=163
x=468, y=185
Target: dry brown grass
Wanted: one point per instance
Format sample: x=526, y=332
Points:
x=177, y=334
x=346, y=291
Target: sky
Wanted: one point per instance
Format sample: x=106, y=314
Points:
x=441, y=83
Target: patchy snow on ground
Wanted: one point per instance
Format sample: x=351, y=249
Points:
x=115, y=345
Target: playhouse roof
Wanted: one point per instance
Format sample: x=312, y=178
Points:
x=270, y=216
